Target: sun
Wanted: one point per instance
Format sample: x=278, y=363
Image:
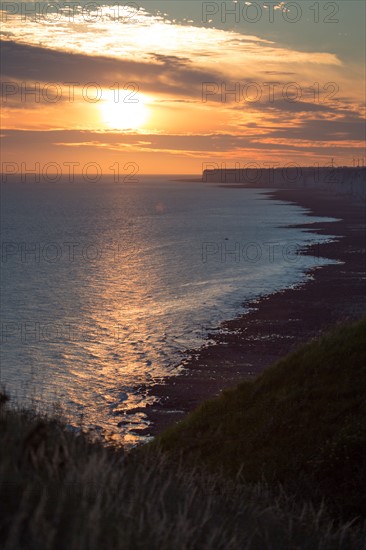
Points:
x=123, y=109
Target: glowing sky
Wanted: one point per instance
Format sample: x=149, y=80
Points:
x=171, y=85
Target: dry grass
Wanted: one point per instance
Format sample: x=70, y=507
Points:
x=301, y=423
x=60, y=491
x=213, y=481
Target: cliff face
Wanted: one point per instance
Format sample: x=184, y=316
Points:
x=345, y=181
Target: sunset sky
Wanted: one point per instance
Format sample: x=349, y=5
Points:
x=152, y=84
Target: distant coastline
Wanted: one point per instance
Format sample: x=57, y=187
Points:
x=350, y=181
x=278, y=323
x=343, y=180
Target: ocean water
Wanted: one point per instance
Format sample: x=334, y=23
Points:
x=105, y=285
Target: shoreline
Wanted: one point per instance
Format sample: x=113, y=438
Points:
x=275, y=324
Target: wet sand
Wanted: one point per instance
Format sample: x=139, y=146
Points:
x=276, y=324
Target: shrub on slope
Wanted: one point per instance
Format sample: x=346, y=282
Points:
x=301, y=423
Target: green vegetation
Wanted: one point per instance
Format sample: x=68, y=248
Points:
x=211, y=482
x=302, y=423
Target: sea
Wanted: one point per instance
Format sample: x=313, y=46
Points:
x=106, y=285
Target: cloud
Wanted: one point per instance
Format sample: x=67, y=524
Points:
x=171, y=63
x=207, y=143
x=351, y=128
x=167, y=75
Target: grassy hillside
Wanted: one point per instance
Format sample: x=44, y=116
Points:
x=301, y=423
x=303, y=420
